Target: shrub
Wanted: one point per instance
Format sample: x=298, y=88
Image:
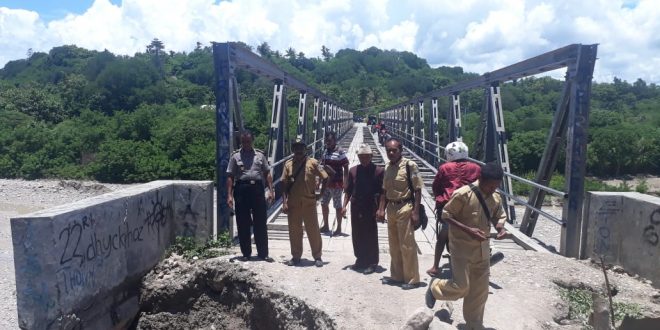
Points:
x=642, y=187
x=189, y=249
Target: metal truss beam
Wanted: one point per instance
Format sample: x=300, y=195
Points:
x=244, y=58
x=278, y=127
x=316, y=128
x=433, y=129
x=421, y=142
x=497, y=115
x=454, y=118
x=571, y=120
x=227, y=58
x=224, y=129
x=301, y=132
x=549, y=61
x=581, y=74
x=548, y=162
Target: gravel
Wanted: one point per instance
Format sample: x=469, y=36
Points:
x=523, y=286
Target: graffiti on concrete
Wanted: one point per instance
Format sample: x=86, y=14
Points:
x=87, y=242
x=98, y=245
x=189, y=217
x=157, y=216
x=651, y=233
x=603, y=236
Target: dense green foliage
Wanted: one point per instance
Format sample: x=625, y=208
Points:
x=75, y=113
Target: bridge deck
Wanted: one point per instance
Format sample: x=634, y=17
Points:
x=278, y=230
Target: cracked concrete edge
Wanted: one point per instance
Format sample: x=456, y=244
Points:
x=524, y=240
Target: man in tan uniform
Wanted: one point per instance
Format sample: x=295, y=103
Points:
x=299, y=202
x=469, y=229
x=402, y=215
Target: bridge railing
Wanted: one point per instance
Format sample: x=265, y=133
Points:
x=439, y=159
x=328, y=115
x=406, y=121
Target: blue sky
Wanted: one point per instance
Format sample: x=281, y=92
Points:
x=52, y=9
x=478, y=35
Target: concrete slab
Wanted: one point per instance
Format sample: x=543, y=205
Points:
x=81, y=263
x=624, y=229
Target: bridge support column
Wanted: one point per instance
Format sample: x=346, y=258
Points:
x=581, y=72
x=420, y=129
x=334, y=118
x=454, y=119
x=434, y=128
x=224, y=130
x=497, y=117
x=237, y=114
x=316, y=132
x=324, y=122
x=301, y=130
x=278, y=125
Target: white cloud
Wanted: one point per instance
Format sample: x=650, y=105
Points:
x=400, y=37
x=478, y=35
x=20, y=30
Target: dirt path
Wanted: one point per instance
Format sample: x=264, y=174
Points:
x=522, y=292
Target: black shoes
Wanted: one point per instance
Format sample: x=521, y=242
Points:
x=389, y=281
x=408, y=286
x=318, y=262
x=369, y=270
x=266, y=259
x=293, y=262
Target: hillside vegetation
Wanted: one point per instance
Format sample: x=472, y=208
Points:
x=76, y=113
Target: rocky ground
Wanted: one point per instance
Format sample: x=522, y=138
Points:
x=523, y=291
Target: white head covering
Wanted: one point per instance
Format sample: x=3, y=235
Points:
x=364, y=149
x=456, y=150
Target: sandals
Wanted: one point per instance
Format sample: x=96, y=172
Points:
x=433, y=274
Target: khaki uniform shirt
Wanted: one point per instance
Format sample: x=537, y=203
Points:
x=248, y=165
x=304, y=185
x=465, y=208
x=395, y=181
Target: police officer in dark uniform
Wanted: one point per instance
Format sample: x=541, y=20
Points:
x=247, y=171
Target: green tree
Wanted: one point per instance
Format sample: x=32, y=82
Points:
x=156, y=49
x=34, y=101
x=119, y=81
x=264, y=50
x=325, y=52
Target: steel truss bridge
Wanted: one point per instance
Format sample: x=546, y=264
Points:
x=407, y=121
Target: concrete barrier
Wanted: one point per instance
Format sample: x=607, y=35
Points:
x=79, y=265
x=624, y=228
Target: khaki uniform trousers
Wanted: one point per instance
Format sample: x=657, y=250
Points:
x=403, y=248
x=470, y=282
x=303, y=211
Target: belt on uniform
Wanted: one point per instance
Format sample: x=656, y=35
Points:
x=398, y=202
x=248, y=182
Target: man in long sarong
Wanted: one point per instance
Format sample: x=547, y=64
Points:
x=364, y=186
